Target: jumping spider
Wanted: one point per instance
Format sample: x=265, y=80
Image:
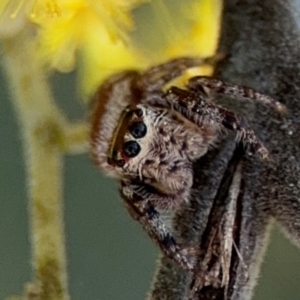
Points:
x=148, y=137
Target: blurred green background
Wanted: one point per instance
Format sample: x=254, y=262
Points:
x=109, y=257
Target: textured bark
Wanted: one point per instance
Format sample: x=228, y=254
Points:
x=261, y=40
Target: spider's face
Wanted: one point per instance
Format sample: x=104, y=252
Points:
x=136, y=139
x=155, y=146
x=146, y=146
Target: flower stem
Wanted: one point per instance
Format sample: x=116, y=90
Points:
x=75, y=139
x=42, y=126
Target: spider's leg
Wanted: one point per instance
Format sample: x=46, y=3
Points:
x=155, y=78
x=198, y=110
x=223, y=88
x=136, y=197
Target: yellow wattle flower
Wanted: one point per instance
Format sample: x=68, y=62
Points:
x=103, y=36
x=94, y=32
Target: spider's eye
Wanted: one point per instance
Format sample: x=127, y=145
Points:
x=138, y=112
x=138, y=130
x=120, y=163
x=131, y=149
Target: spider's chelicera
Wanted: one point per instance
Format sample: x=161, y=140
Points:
x=148, y=138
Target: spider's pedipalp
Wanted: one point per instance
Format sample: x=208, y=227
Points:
x=139, y=199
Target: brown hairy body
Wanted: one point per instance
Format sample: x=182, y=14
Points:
x=149, y=138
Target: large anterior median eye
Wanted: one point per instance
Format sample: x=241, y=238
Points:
x=131, y=149
x=138, y=130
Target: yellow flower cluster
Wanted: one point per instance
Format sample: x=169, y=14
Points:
x=105, y=36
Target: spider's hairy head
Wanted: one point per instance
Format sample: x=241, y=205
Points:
x=142, y=141
x=113, y=96
x=165, y=149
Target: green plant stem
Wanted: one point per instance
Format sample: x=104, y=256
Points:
x=75, y=139
x=42, y=127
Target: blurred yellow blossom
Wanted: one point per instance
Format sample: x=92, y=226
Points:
x=102, y=35
x=202, y=36
x=92, y=31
